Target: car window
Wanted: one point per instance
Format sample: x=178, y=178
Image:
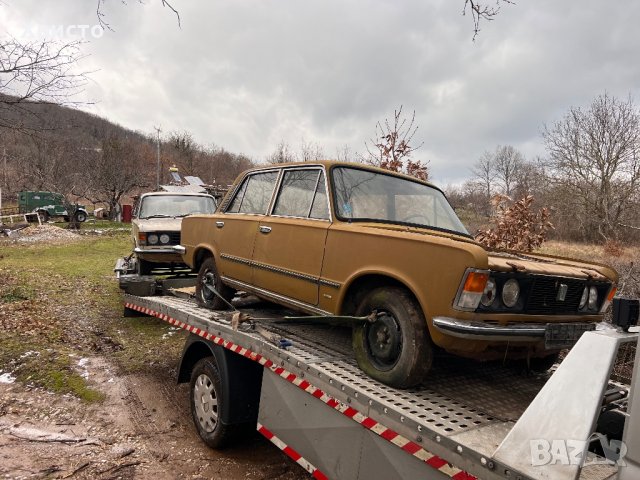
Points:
x=234, y=206
x=296, y=193
x=255, y=194
x=175, y=205
x=320, y=207
x=363, y=195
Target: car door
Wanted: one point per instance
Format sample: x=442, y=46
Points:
x=236, y=228
x=289, y=246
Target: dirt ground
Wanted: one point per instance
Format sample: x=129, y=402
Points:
x=126, y=418
x=142, y=429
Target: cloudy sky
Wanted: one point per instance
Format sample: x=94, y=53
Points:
x=246, y=74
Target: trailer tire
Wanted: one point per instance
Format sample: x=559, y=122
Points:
x=208, y=276
x=206, y=398
x=395, y=349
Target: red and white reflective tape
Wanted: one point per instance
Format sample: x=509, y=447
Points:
x=295, y=456
x=405, y=444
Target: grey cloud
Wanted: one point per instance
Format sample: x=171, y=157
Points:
x=246, y=74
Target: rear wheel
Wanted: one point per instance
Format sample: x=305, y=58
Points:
x=208, y=283
x=394, y=349
x=80, y=216
x=44, y=216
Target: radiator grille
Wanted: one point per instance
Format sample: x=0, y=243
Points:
x=543, y=295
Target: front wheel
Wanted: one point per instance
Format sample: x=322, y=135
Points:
x=396, y=348
x=211, y=293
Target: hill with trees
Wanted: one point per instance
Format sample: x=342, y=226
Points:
x=66, y=150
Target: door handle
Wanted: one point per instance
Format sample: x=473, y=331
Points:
x=219, y=224
x=265, y=229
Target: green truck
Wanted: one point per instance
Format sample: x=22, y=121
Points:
x=50, y=204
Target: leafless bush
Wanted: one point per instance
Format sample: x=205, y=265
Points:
x=517, y=226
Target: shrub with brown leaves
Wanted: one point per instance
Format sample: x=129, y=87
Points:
x=517, y=226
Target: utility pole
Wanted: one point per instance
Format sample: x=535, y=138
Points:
x=158, y=130
x=4, y=176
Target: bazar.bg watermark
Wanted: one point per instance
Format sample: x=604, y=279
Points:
x=63, y=31
x=574, y=452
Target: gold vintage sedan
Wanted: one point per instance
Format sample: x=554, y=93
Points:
x=333, y=238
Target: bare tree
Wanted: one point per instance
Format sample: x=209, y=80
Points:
x=392, y=146
x=507, y=163
x=594, y=154
x=186, y=151
x=102, y=17
x=482, y=11
x=42, y=72
x=310, y=151
x=282, y=154
x=484, y=174
x=114, y=169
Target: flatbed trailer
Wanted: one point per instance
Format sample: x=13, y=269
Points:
x=298, y=383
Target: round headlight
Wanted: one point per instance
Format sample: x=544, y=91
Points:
x=489, y=294
x=510, y=292
x=164, y=238
x=152, y=239
x=593, y=298
x=584, y=298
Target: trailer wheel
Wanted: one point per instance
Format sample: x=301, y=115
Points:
x=396, y=348
x=206, y=404
x=208, y=281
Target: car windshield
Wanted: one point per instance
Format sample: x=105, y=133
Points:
x=364, y=195
x=159, y=206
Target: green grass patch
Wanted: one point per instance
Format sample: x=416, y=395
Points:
x=15, y=293
x=92, y=259
x=35, y=363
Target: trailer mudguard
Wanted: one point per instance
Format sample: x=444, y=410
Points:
x=241, y=378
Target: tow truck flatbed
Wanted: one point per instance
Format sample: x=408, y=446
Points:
x=339, y=423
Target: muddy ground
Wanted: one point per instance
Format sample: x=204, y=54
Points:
x=86, y=393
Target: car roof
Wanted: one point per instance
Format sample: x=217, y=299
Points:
x=173, y=194
x=331, y=163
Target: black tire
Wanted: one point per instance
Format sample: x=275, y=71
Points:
x=44, y=216
x=144, y=267
x=209, y=278
x=206, y=400
x=543, y=364
x=80, y=216
x=404, y=354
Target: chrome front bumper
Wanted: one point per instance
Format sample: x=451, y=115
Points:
x=177, y=249
x=555, y=335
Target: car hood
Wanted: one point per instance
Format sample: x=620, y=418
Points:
x=505, y=261
x=159, y=224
